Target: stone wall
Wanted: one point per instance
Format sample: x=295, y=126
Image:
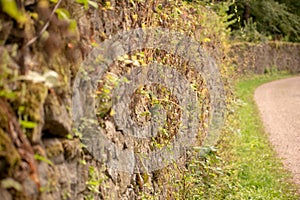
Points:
x=260, y=58
x=41, y=156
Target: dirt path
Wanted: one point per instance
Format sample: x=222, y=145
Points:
x=279, y=105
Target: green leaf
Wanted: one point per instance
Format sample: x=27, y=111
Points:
x=69, y=136
x=28, y=124
x=84, y=2
x=73, y=25
x=43, y=159
x=10, y=8
x=7, y=94
x=62, y=14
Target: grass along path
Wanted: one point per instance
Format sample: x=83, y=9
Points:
x=243, y=165
x=260, y=174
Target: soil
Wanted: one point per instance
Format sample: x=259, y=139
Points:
x=279, y=106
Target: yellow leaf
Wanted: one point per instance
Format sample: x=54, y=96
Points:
x=134, y=17
x=112, y=112
x=133, y=57
x=206, y=40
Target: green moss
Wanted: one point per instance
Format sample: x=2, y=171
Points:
x=8, y=154
x=32, y=100
x=35, y=95
x=54, y=150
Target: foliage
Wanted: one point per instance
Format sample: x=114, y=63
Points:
x=10, y=8
x=94, y=182
x=87, y=3
x=249, y=33
x=278, y=20
x=243, y=164
x=209, y=176
x=293, y=5
x=43, y=159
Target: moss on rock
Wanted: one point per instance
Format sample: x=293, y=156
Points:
x=9, y=156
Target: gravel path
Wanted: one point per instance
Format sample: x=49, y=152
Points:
x=279, y=105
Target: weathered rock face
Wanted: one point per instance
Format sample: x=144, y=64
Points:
x=42, y=157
